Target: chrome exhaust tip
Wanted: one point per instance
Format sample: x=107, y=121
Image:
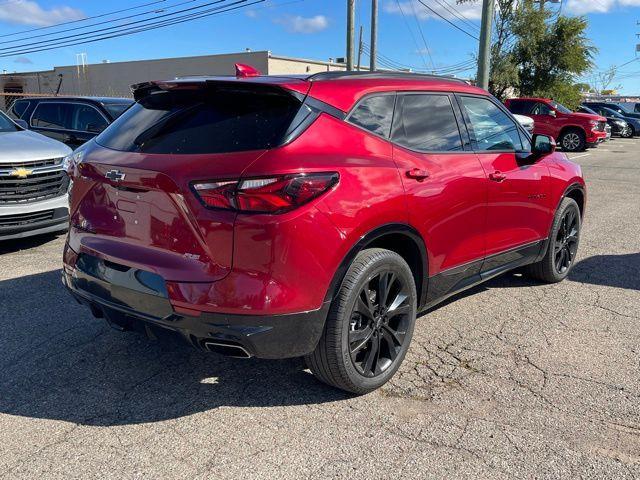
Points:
x=227, y=349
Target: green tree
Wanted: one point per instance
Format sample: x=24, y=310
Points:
x=536, y=52
x=551, y=54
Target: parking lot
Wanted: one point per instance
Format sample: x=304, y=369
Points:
x=510, y=379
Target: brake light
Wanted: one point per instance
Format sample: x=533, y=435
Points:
x=267, y=194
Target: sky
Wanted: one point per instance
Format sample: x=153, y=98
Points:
x=411, y=34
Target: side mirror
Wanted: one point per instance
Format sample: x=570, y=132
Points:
x=542, y=144
x=553, y=113
x=93, y=128
x=22, y=124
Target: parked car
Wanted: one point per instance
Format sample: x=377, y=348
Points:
x=71, y=120
x=573, y=131
x=616, y=107
x=33, y=184
x=312, y=216
x=632, y=124
x=630, y=107
x=526, y=122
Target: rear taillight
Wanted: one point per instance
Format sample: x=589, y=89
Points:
x=276, y=194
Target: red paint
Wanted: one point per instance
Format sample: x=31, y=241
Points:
x=553, y=126
x=223, y=261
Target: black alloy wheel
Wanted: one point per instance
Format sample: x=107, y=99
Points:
x=565, y=245
x=379, y=323
x=370, y=323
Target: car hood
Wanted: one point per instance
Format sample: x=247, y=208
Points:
x=25, y=145
x=589, y=116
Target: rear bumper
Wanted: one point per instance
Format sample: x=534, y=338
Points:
x=130, y=299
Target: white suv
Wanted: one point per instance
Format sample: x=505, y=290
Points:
x=33, y=183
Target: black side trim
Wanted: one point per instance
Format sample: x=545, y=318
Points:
x=458, y=279
x=368, y=239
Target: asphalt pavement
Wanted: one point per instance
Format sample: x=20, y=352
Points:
x=511, y=379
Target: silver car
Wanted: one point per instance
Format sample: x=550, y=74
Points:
x=33, y=183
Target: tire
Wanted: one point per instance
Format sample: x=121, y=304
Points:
x=564, y=239
x=573, y=140
x=630, y=132
x=355, y=323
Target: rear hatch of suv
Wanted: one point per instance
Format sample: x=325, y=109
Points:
x=134, y=201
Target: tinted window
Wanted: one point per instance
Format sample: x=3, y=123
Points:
x=191, y=122
x=50, y=115
x=426, y=123
x=86, y=118
x=19, y=108
x=541, y=109
x=375, y=114
x=521, y=107
x=116, y=109
x=491, y=128
x=7, y=125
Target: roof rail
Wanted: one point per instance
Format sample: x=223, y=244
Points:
x=341, y=75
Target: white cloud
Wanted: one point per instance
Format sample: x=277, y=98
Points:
x=470, y=11
x=299, y=24
x=582, y=7
x=24, y=60
x=251, y=13
x=27, y=12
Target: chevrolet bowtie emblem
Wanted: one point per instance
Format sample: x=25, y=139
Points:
x=115, y=175
x=21, y=172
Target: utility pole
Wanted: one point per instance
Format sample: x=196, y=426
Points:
x=485, y=44
x=359, y=50
x=374, y=36
x=351, y=14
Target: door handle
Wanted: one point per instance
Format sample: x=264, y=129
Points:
x=497, y=176
x=417, y=174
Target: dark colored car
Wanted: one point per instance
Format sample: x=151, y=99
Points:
x=615, y=121
x=616, y=107
x=573, y=131
x=313, y=215
x=71, y=120
x=633, y=124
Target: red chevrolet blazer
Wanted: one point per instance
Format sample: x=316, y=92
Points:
x=311, y=215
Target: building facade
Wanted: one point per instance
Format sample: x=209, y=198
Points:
x=115, y=79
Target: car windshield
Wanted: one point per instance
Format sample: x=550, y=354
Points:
x=7, y=125
x=561, y=108
x=611, y=113
x=584, y=109
x=116, y=109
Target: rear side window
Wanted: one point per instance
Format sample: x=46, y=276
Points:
x=18, y=108
x=521, y=107
x=541, y=109
x=50, y=115
x=219, y=120
x=116, y=109
x=426, y=123
x=491, y=128
x=375, y=114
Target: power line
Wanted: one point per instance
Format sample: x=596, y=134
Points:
x=426, y=47
x=448, y=21
x=83, y=19
x=154, y=26
x=155, y=10
x=419, y=50
x=459, y=15
x=117, y=27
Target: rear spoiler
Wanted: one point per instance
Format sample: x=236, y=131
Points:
x=142, y=90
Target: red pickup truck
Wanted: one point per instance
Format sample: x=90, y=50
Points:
x=573, y=131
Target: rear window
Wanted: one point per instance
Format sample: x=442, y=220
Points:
x=521, y=107
x=203, y=121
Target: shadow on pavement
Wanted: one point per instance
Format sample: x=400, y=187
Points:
x=11, y=246
x=621, y=271
x=60, y=363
